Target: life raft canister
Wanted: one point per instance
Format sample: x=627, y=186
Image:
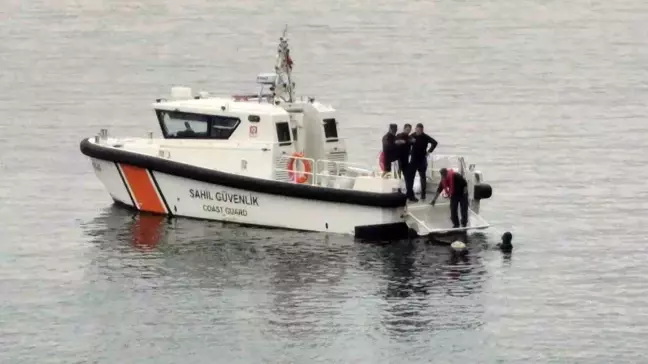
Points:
x=299, y=177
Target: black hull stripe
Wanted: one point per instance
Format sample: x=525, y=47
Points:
x=121, y=175
x=271, y=187
x=159, y=190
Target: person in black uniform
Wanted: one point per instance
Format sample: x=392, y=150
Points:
x=418, y=160
x=403, y=146
x=457, y=189
x=389, y=148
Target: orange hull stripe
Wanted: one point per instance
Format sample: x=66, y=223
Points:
x=144, y=192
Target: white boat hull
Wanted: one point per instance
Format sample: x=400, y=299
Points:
x=149, y=190
x=161, y=193
x=160, y=186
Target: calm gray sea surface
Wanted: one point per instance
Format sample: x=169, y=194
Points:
x=548, y=98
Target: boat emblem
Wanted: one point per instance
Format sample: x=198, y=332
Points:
x=253, y=131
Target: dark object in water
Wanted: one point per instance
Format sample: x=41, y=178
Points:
x=506, y=245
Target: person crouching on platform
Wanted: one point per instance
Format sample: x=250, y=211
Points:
x=456, y=188
x=418, y=161
x=389, y=148
x=403, y=146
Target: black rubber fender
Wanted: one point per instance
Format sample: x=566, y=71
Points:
x=483, y=191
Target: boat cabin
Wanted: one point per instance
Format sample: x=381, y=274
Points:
x=253, y=131
x=264, y=135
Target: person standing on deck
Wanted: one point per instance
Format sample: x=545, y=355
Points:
x=418, y=160
x=389, y=148
x=404, y=145
x=456, y=188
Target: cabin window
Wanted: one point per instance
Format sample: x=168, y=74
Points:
x=283, y=133
x=254, y=118
x=330, y=130
x=183, y=125
x=223, y=127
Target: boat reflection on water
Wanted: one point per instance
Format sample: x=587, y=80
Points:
x=306, y=285
x=184, y=246
x=148, y=231
x=143, y=232
x=302, y=286
x=426, y=288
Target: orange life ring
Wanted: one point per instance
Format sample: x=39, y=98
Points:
x=299, y=177
x=381, y=161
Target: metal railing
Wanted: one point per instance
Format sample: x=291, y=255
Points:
x=435, y=163
x=211, y=144
x=331, y=173
x=339, y=167
x=438, y=161
x=343, y=176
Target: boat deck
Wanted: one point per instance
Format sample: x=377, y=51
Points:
x=427, y=219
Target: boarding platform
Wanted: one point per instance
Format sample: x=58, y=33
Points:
x=426, y=219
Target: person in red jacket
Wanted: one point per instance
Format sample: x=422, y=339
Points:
x=456, y=187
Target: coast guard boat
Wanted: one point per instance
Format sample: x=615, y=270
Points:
x=267, y=159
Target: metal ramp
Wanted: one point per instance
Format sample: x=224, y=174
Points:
x=426, y=219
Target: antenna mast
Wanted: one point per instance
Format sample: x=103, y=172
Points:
x=284, y=86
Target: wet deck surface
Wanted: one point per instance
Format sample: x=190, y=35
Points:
x=437, y=217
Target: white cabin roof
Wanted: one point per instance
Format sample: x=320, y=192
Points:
x=322, y=108
x=213, y=105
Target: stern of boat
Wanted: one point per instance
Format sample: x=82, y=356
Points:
x=426, y=219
